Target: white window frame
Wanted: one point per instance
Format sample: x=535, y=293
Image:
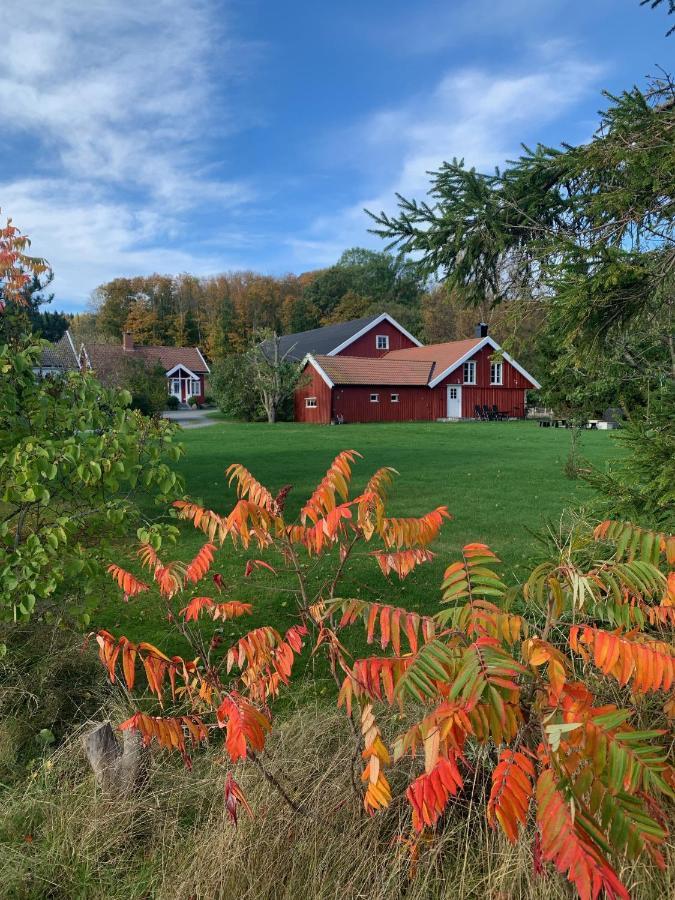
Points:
x=374, y=398
x=496, y=373
x=395, y=398
x=310, y=403
x=381, y=341
x=469, y=372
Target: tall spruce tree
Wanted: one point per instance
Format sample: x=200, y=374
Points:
x=589, y=231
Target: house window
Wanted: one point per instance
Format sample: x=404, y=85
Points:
x=175, y=387
x=496, y=373
x=470, y=372
x=310, y=402
x=394, y=398
x=374, y=398
x=382, y=342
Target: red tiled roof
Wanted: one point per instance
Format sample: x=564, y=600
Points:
x=440, y=356
x=106, y=355
x=367, y=370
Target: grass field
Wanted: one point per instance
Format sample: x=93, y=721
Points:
x=502, y=482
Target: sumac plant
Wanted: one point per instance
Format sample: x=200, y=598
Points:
x=533, y=687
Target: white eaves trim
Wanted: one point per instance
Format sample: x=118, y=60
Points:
x=385, y=317
x=486, y=341
x=201, y=356
x=309, y=359
x=184, y=368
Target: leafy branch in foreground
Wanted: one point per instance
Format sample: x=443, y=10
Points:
x=230, y=687
x=541, y=700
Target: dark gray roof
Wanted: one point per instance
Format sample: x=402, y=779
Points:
x=60, y=355
x=321, y=340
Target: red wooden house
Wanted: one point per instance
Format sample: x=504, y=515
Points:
x=398, y=379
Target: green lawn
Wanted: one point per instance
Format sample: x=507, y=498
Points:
x=500, y=481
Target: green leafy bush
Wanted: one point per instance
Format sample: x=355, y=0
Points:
x=73, y=460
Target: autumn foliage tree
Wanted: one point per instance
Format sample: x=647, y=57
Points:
x=534, y=688
x=17, y=268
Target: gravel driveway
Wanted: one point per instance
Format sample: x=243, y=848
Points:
x=191, y=418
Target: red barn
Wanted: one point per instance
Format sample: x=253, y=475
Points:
x=454, y=380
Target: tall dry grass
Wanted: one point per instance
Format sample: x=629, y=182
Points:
x=60, y=839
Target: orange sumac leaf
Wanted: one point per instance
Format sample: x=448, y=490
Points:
x=512, y=787
x=228, y=610
x=248, y=486
x=168, y=732
x=334, y=483
x=648, y=665
x=429, y=793
x=235, y=797
x=378, y=792
x=252, y=564
x=128, y=582
x=401, y=561
x=568, y=846
x=205, y=519
x=245, y=725
x=201, y=564
x=411, y=532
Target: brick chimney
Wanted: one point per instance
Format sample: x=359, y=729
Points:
x=481, y=330
x=128, y=342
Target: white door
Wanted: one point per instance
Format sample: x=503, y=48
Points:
x=454, y=401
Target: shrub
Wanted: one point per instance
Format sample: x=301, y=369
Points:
x=194, y=401
x=73, y=457
x=230, y=381
x=146, y=385
x=516, y=700
x=172, y=402
x=48, y=685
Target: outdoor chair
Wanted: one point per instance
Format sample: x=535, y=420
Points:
x=487, y=413
x=478, y=412
x=497, y=414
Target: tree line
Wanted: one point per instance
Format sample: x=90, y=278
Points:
x=222, y=313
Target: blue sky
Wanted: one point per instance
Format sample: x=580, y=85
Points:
x=208, y=135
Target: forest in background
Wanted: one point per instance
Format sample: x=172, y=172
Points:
x=221, y=313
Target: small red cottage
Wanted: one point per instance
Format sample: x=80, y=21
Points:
x=455, y=380
x=185, y=367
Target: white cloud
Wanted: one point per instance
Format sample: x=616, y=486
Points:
x=112, y=100
x=476, y=114
x=95, y=239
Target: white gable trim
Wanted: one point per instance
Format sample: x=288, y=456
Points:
x=201, y=356
x=184, y=368
x=72, y=347
x=485, y=342
x=309, y=360
x=385, y=317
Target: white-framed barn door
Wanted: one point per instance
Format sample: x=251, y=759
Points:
x=454, y=401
